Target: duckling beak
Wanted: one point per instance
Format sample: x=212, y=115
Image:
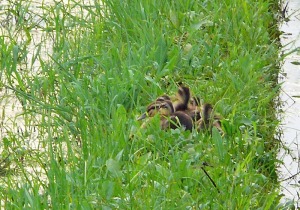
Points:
x=143, y=116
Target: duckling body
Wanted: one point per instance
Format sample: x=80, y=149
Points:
x=176, y=120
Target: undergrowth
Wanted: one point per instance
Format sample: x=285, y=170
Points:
x=99, y=65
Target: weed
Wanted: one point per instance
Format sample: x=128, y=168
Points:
x=104, y=63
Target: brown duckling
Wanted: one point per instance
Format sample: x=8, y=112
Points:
x=194, y=108
x=187, y=104
x=163, y=98
x=183, y=97
x=194, y=102
x=209, y=119
x=169, y=118
x=173, y=120
x=153, y=108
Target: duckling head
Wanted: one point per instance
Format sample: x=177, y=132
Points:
x=151, y=111
x=163, y=108
x=195, y=101
x=163, y=98
x=166, y=108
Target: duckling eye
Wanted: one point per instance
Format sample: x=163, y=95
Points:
x=163, y=106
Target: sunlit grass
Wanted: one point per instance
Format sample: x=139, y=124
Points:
x=104, y=65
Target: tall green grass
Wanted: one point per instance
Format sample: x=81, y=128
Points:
x=107, y=63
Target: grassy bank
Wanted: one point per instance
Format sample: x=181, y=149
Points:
x=107, y=63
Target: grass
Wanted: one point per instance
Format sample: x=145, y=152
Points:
x=99, y=66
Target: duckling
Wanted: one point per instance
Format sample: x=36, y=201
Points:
x=169, y=118
x=194, y=108
x=183, y=97
x=153, y=107
x=209, y=119
x=163, y=98
x=186, y=104
x=173, y=120
x=194, y=102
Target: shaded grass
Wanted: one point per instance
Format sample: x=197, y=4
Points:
x=107, y=63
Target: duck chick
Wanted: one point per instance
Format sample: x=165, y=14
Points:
x=154, y=107
x=194, y=109
x=183, y=97
x=209, y=119
x=173, y=120
x=163, y=98
x=168, y=117
x=186, y=104
x=194, y=102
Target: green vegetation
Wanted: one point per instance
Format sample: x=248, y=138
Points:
x=107, y=63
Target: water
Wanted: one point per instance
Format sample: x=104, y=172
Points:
x=290, y=95
x=34, y=13
x=13, y=123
